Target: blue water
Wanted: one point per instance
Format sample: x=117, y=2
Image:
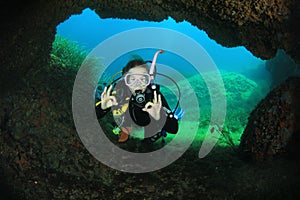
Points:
x=88, y=29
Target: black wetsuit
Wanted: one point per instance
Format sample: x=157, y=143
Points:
x=135, y=114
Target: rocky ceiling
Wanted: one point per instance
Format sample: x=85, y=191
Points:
x=262, y=26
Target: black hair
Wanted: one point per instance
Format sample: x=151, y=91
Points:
x=133, y=63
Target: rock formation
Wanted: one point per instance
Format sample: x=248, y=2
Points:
x=273, y=127
x=262, y=26
x=41, y=153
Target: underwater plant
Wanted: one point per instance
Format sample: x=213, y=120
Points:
x=67, y=53
x=226, y=137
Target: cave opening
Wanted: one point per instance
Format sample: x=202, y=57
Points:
x=42, y=155
x=88, y=29
x=245, y=77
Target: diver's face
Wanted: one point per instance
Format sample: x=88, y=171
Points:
x=137, y=79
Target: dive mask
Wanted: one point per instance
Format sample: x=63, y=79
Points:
x=135, y=79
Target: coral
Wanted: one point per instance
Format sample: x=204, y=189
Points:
x=241, y=97
x=238, y=87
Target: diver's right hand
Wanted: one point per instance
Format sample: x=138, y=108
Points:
x=107, y=100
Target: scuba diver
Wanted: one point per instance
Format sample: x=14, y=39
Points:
x=135, y=99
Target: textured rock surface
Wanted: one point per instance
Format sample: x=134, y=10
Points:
x=41, y=155
x=273, y=127
x=262, y=26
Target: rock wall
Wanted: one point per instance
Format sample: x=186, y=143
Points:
x=262, y=26
x=41, y=153
x=273, y=127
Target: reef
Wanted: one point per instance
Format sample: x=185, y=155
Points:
x=273, y=126
x=262, y=26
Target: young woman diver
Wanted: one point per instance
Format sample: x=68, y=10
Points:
x=136, y=100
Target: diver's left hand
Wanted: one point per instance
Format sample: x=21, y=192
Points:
x=154, y=108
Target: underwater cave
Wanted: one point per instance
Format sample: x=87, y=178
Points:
x=257, y=150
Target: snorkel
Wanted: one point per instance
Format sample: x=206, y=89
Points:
x=152, y=72
x=153, y=65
